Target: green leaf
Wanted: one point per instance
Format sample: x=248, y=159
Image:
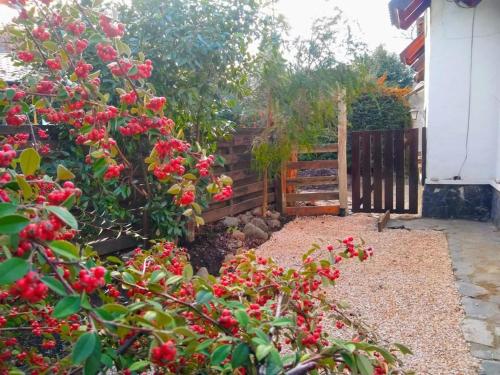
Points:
x=187, y=273
x=12, y=270
x=403, y=349
x=240, y=355
x=64, y=173
x=84, y=347
x=242, y=317
x=9, y=93
x=54, y=285
x=63, y=214
x=282, y=322
x=30, y=161
x=174, y=279
x=262, y=351
x=123, y=49
x=12, y=224
x=364, y=365
x=25, y=187
x=156, y=276
x=139, y=365
x=67, y=306
x=203, y=297
x=7, y=209
x=65, y=249
x=174, y=189
x=50, y=45
x=220, y=354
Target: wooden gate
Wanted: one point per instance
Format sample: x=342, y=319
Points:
x=385, y=174
x=305, y=203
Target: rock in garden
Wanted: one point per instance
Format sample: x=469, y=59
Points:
x=257, y=211
x=253, y=232
x=275, y=215
x=274, y=224
x=231, y=221
x=203, y=273
x=258, y=222
x=238, y=235
x=246, y=217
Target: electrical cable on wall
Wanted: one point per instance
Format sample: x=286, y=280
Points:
x=459, y=175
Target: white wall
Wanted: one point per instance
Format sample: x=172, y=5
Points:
x=448, y=81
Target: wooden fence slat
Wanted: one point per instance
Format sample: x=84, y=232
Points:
x=355, y=172
x=304, y=197
x=313, y=210
x=214, y=215
x=366, y=172
x=332, y=147
x=399, y=166
x=377, y=171
x=313, y=181
x=312, y=164
x=388, y=171
x=413, y=170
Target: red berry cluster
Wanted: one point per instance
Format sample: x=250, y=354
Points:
x=58, y=196
x=225, y=193
x=83, y=69
x=41, y=33
x=45, y=230
x=19, y=95
x=14, y=116
x=167, y=148
x=111, y=30
x=254, y=311
x=42, y=134
x=174, y=166
x=143, y=70
x=106, y=52
x=227, y=320
x=120, y=68
x=45, y=87
x=129, y=98
x=156, y=104
x=78, y=47
x=25, y=56
x=186, y=198
x=312, y=339
x=76, y=28
x=29, y=288
x=204, y=165
x=7, y=154
x=164, y=353
x=113, y=171
x=90, y=280
x=53, y=64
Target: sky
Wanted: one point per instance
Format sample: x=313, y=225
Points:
x=372, y=17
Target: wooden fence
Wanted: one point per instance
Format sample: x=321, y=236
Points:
x=248, y=185
x=385, y=173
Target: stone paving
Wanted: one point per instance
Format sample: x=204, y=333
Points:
x=475, y=252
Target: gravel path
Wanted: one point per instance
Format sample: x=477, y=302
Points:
x=406, y=292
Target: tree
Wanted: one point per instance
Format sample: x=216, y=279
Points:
x=201, y=53
x=381, y=62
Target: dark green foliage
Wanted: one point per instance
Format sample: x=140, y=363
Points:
x=381, y=62
x=379, y=110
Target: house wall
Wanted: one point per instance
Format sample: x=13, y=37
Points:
x=462, y=96
x=450, y=80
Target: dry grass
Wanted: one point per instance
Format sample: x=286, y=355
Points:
x=406, y=292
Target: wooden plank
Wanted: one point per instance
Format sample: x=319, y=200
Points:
x=342, y=154
x=240, y=191
x=399, y=166
x=377, y=170
x=313, y=181
x=413, y=176
x=105, y=246
x=240, y=174
x=366, y=171
x=312, y=164
x=355, y=172
x=383, y=219
x=237, y=158
x=304, y=197
x=283, y=181
x=319, y=149
x=388, y=168
x=313, y=210
x=219, y=213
